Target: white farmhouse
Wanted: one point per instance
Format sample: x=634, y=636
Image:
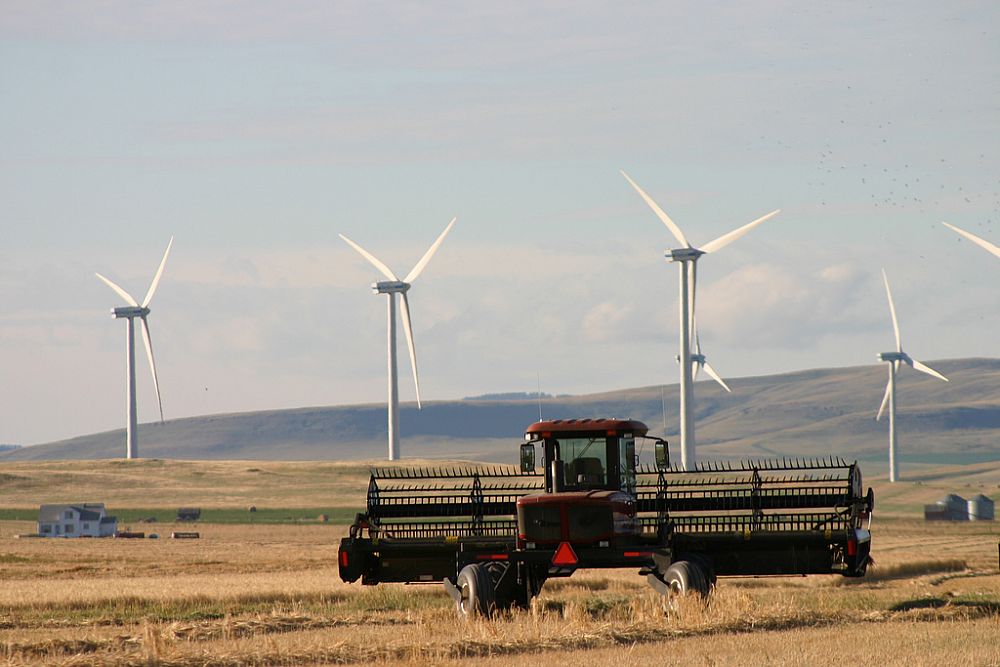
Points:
x=78, y=520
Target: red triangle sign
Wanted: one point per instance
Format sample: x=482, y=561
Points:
x=564, y=555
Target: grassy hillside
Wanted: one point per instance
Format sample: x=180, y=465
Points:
x=298, y=492
x=807, y=413
x=156, y=483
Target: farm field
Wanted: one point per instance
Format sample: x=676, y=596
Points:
x=269, y=593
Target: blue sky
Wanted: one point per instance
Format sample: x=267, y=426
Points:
x=255, y=134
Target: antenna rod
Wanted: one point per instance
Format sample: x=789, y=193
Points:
x=663, y=406
x=538, y=392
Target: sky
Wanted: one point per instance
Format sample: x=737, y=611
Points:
x=255, y=133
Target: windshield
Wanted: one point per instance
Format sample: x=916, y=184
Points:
x=585, y=462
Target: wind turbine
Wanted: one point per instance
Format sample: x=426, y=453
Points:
x=129, y=313
x=698, y=362
x=687, y=259
x=390, y=288
x=982, y=243
x=894, y=359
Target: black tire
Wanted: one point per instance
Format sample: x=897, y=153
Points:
x=476, y=588
x=684, y=578
x=504, y=591
x=706, y=567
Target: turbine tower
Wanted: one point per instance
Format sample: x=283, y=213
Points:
x=894, y=359
x=129, y=313
x=391, y=288
x=686, y=258
x=982, y=243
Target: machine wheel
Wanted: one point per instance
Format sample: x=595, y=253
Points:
x=707, y=569
x=682, y=578
x=504, y=590
x=476, y=588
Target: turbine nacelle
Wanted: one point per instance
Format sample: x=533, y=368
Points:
x=683, y=254
x=390, y=287
x=894, y=356
x=129, y=311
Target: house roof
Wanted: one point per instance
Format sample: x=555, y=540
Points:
x=86, y=511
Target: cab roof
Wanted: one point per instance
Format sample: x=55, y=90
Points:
x=605, y=426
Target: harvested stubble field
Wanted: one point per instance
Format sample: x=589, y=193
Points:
x=270, y=594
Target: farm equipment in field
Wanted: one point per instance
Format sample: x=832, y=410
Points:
x=494, y=534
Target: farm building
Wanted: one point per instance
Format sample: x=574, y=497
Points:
x=77, y=520
x=950, y=508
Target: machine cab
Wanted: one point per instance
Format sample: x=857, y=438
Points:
x=585, y=454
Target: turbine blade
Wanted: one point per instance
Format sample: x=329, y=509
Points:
x=674, y=229
x=885, y=401
x=715, y=376
x=924, y=368
x=152, y=364
x=695, y=364
x=119, y=291
x=408, y=330
x=892, y=311
x=385, y=270
x=982, y=243
x=156, y=278
x=726, y=239
x=419, y=267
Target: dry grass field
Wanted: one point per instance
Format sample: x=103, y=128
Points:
x=270, y=594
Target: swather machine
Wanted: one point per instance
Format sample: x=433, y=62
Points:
x=494, y=534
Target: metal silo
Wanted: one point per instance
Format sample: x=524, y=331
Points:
x=955, y=507
x=980, y=508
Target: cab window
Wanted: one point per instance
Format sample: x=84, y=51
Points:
x=585, y=462
x=626, y=466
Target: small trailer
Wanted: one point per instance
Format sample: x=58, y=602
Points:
x=494, y=534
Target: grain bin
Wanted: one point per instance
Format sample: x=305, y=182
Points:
x=956, y=508
x=980, y=508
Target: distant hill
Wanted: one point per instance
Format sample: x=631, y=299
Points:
x=7, y=448
x=807, y=413
x=510, y=396
x=225, y=489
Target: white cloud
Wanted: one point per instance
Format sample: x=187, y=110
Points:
x=776, y=306
x=608, y=321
